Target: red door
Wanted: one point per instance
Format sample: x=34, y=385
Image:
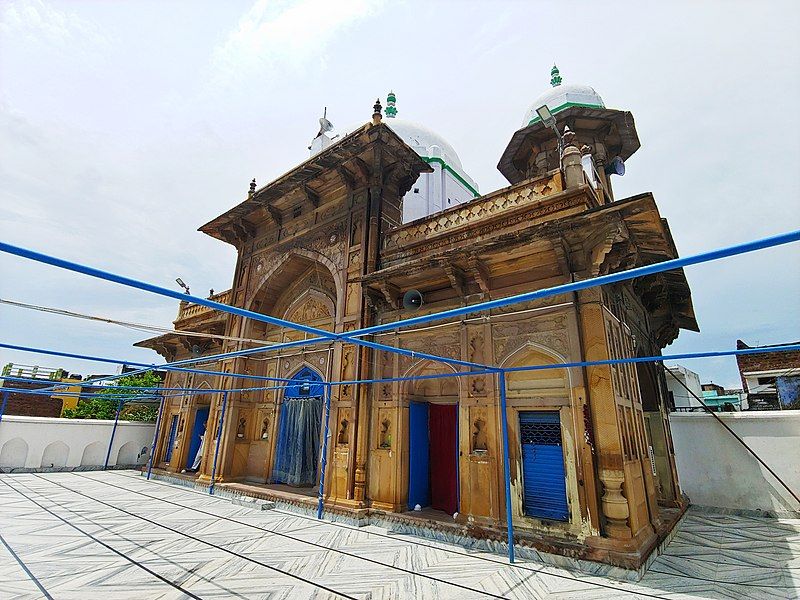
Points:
x=443, y=419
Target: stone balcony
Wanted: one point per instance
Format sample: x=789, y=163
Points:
x=189, y=310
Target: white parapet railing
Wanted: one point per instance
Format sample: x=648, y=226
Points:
x=715, y=470
x=41, y=443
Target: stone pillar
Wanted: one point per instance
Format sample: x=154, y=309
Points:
x=608, y=446
x=571, y=162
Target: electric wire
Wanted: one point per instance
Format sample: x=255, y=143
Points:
x=128, y=325
x=735, y=435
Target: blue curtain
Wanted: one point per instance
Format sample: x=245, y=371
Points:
x=297, y=446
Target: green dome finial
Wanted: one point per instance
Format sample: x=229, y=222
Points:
x=391, y=111
x=555, y=76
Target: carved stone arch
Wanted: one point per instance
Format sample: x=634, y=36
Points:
x=313, y=256
x=544, y=382
x=310, y=293
x=454, y=384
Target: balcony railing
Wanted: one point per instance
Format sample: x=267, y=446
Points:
x=190, y=310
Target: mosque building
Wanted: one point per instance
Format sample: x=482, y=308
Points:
x=386, y=208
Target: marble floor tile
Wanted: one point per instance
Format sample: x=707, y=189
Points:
x=114, y=534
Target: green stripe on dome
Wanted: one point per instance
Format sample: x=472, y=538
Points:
x=446, y=167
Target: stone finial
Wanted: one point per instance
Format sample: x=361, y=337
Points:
x=377, y=114
x=586, y=149
x=568, y=136
x=252, y=187
x=210, y=292
x=555, y=76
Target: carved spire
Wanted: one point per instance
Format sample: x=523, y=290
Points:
x=555, y=76
x=377, y=115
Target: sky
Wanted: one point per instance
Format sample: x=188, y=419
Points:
x=126, y=125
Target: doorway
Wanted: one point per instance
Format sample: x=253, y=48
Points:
x=433, y=456
x=544, y=482
x=198, y=431
x=297, y=447
x=173, y=431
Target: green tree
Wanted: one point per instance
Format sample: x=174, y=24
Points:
x=104, y=405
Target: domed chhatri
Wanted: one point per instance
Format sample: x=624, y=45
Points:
x=562, y=96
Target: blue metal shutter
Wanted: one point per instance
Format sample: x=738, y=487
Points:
x=545, y=489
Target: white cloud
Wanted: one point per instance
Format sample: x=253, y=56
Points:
x=286, y=34
x=39, y=21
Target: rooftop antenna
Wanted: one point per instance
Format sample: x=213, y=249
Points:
x=324, y=125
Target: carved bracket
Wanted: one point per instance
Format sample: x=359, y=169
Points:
x=479, y=273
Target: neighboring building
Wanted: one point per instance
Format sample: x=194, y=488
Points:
x=682, y=399
x=770, y=379
x=722, y=402
x=40, y=405
x=326, y=245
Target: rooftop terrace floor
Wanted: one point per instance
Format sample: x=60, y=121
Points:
x=116, y=535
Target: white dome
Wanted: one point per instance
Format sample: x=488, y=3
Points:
x=563, y=96
x=425, y=142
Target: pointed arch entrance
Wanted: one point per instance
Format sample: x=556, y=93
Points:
x=299, y=426
x=433, y=441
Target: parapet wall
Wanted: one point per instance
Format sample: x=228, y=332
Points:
x=41, y=443
x=715, y=470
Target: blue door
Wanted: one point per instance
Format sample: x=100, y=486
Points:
x=173, y=430
x=198, y=429
x=418, y=455
x=544, y=486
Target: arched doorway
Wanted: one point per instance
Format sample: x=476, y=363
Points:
x=541, y=401
x=433, y=443
x=300, y=419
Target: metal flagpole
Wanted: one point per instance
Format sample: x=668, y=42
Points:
x=3, y=405
x=327, y=392
x=216, y=446
x=113, y=431
x=501, y=379
x=155, y=438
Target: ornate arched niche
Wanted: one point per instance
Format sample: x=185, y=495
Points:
x=444, y=389
x=552, y=384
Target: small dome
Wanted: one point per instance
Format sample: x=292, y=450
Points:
x=560, y=97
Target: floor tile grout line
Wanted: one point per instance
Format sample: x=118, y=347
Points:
x=100, y=542
x=394, y=538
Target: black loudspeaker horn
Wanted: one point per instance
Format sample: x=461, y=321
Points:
x=615, y=167
x=412, y=300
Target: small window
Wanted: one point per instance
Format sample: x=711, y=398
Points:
x=416, y=190
x=296, y=212
x=766, y=381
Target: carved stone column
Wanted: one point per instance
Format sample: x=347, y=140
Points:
x=601, y=397
x=615, y=505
